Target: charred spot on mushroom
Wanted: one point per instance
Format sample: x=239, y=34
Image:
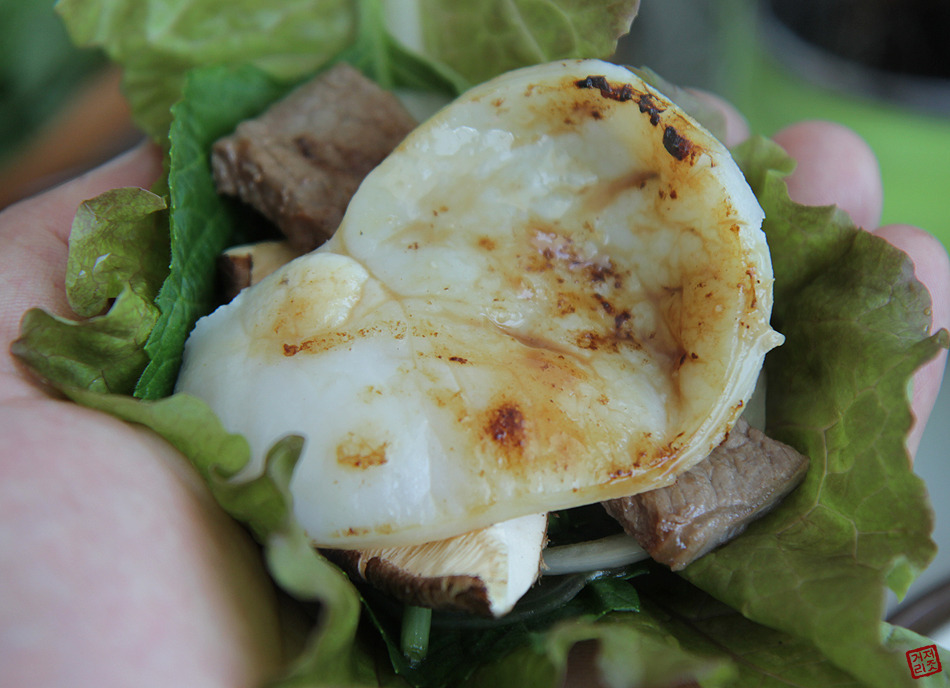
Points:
x=675, y=144
x=647, y=102
x=708, y=505
x=621, y=94
x=358, y=452
x=506, y=427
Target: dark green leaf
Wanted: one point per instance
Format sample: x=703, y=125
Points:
x=202, y=223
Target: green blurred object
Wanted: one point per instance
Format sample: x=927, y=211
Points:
x=39, y=69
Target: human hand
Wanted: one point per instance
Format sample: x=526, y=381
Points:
x=117, y=565
x=118, y=568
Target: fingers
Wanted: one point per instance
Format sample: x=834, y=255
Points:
x=932, y=267
x=737, y=129
x=836, y=166
x=34, y=235
x=53, y=210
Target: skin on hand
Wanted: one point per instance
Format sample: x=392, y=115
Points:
x=118, y=567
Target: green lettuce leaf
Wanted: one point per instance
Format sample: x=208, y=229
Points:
x=378, y=55
x=706, y=628
x=118, y=258
x=632, y=651
x=679, y=635
x=480, y=39
x=856, y=323
x=158, y=41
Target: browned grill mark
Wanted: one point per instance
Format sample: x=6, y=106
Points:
x=676, y=145
x=359, y=453
x=506, y=427
x=623, y=93
x=318, y=344
x=753, y=280
x=604, y=303
x=647, y=103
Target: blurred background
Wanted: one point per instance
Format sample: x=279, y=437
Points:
x=881, y=67
x=61, y=110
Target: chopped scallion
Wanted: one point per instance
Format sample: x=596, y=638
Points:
x=416, y=622
x=605, y=553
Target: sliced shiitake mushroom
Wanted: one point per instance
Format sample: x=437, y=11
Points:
x=241, y=266
x=483, y=572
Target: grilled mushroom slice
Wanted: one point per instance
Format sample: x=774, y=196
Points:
x=484, y=572
x=241, y=266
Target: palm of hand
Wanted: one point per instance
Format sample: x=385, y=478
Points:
x=130, y=562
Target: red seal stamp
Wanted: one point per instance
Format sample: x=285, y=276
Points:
x=924, y=661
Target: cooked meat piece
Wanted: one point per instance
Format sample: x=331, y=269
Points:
x=738, y=482
x=301, y=161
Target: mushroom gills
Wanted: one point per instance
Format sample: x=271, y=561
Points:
x=483, y=572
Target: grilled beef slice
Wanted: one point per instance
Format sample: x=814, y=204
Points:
x=301, y=161
x=741, y=480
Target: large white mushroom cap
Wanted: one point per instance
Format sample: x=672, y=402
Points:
x=556, y=291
